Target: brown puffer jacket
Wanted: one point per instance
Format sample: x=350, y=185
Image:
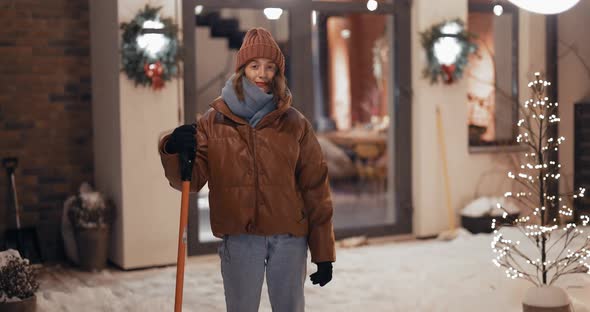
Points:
x=271, y=179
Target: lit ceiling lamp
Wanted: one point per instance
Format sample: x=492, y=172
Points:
x=198, y=9
x=273, y=13
x=545, y=6
x=372, y=5
x=498, y=8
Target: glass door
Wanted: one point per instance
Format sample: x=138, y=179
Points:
x=353, y=108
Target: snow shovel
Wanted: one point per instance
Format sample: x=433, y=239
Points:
x=186, y=168
x=452, y=232
x=25, y=240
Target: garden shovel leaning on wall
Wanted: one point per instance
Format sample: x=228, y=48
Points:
x=186, y=169
x=451, y=233
x=25, y=240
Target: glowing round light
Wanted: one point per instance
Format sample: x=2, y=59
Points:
x=545, y=6
x=372, y=5
x=447, y=50
x=273, y=13
x=152, y=43
x=345, y=33
x=498, y=9
x=198, y=9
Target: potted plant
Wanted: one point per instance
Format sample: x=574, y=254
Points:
x=18, y=283
x=90, y=215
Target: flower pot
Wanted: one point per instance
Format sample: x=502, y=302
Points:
x=546, y=299
x=483, y=224
x=25, y=305
x=93, y=248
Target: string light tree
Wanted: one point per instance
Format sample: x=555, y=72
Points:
x=555, y=245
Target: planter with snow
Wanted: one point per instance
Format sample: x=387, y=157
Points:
x=477, y=216
x=90, y=215
x=18, y=283
x=24, y=305
x=93, y=248
x=546, y=299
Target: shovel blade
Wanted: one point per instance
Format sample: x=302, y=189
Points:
x=26, y=241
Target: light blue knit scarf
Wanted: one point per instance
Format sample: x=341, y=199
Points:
x=256, y=103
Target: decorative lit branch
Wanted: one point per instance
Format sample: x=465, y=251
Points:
x=540, y=206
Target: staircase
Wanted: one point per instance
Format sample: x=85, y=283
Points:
x=222, y=28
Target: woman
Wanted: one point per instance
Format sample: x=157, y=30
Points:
x=269, y=195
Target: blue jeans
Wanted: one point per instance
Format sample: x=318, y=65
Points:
x=244, y=260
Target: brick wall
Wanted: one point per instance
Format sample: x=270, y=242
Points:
x=45, y=110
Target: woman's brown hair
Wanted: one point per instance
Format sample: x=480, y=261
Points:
x=278, y=85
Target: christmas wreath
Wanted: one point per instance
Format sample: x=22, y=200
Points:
x=150, y=48
x=447, y=46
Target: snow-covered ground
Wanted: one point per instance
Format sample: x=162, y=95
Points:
x=427, y=276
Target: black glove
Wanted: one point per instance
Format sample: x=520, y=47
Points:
x=324, y=274
x=182, y=140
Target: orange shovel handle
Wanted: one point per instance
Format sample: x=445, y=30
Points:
x=186, y=167
x=181, y=246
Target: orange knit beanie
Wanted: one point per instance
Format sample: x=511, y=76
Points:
x=258, y=42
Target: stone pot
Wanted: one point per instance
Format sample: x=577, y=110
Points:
x=546, y=299
x=93, y=248
x=25, y=305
